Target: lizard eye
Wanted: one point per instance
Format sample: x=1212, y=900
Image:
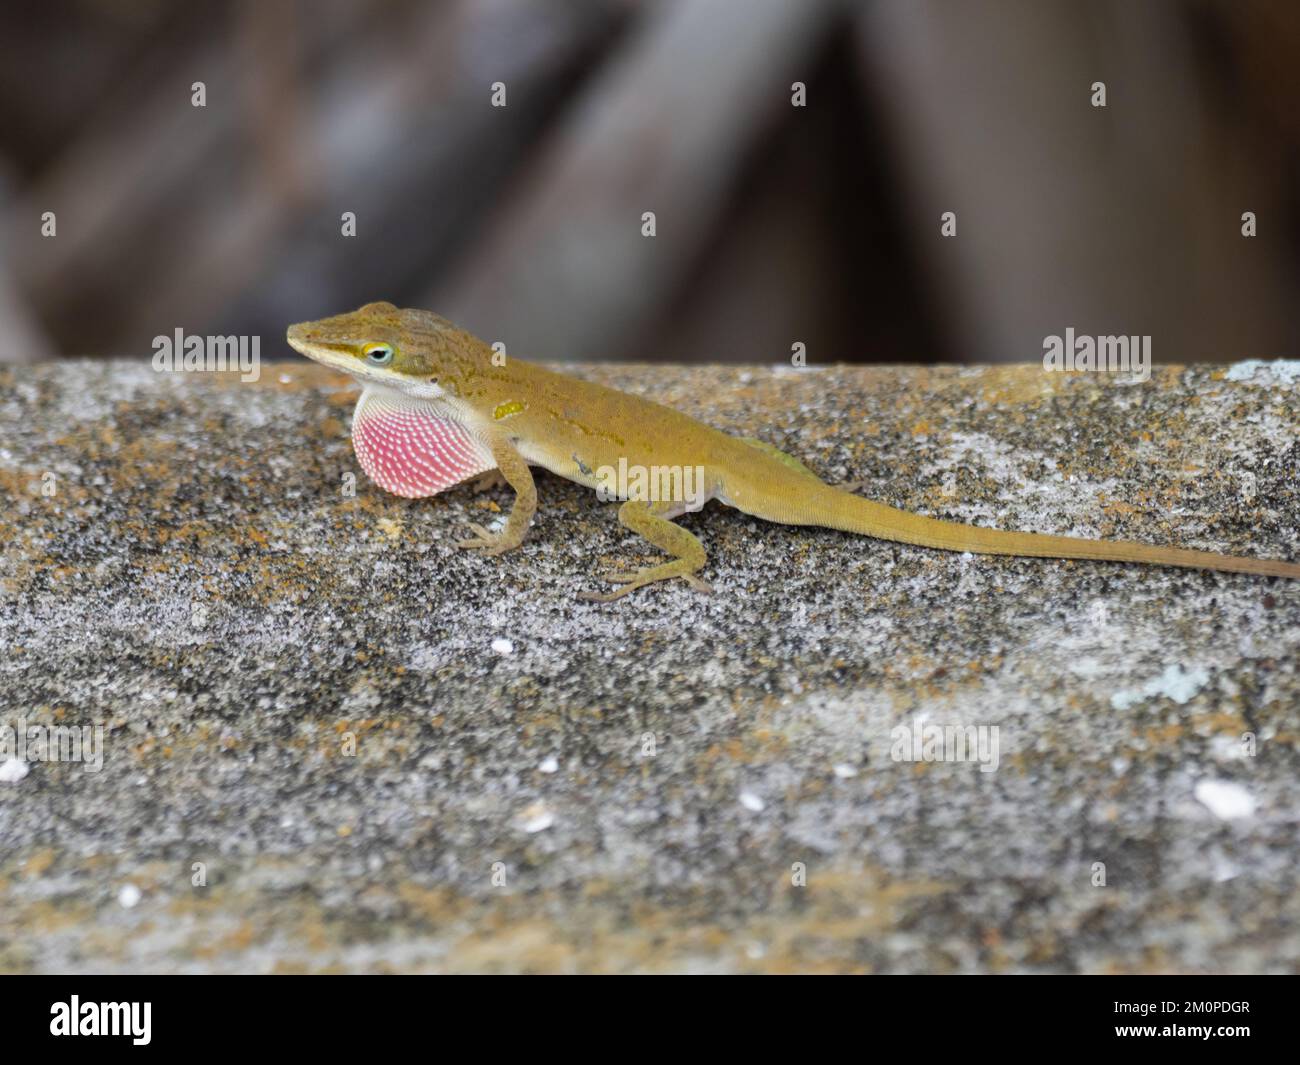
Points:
x=379, y=354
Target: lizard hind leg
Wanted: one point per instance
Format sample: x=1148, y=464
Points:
x=652, y=520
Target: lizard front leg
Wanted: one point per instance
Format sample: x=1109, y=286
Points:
x=518, y=476
x=651, y=520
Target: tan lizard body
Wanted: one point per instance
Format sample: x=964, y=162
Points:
x=440, y=406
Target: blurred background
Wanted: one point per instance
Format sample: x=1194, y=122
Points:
x=774, y=223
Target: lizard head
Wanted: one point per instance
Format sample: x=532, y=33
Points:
x=415, y=352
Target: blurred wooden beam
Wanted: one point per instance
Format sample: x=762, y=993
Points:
x=664, y=127
x=22, y=340
x=125, y=191
x=417, y=152
x=1115, y=220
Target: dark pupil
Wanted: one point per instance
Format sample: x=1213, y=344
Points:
x=379, y=353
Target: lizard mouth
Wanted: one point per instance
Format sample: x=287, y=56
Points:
x=305, y=344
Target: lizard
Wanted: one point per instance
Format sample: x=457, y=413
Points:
x=439, y=406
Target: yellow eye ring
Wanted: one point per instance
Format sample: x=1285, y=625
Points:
x=378, y=354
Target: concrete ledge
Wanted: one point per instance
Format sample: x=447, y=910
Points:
x=381, y=753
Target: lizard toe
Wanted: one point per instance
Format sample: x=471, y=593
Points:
x=617, y=577
x=604, y=597
x=482, y=539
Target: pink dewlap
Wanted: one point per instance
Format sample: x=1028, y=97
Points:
x=408, y=449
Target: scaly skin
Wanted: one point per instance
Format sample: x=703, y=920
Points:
x=514, y=415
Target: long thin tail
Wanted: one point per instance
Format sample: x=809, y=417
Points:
x=835, y=509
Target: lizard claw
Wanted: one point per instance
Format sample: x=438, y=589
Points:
x=603, y=597
x=489, y=543
x=615, y=577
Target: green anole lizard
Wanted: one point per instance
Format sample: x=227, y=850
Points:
x=437, y=408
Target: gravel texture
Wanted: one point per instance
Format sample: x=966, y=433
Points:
x=333, y=742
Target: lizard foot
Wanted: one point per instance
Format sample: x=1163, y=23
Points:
x=640, y=578
x=490, y=543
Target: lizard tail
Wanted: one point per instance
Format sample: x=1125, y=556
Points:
x=834, y=509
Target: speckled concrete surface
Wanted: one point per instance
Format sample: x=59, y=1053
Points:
x=376, y=752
